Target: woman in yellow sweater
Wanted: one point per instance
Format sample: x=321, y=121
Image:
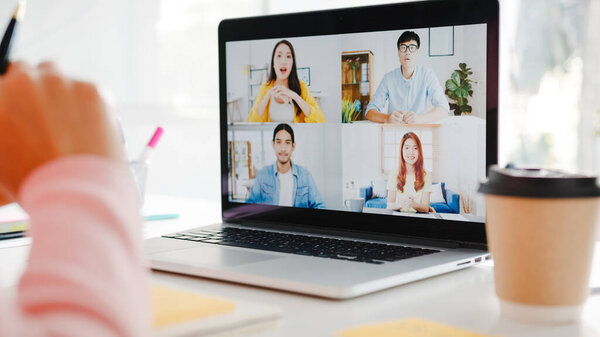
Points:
x=284, y=98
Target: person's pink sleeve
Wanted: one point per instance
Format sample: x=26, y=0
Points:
x=85, y=274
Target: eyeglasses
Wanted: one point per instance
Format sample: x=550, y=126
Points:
x=411, y=47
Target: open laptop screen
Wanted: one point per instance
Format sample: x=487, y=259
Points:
x=390, y=122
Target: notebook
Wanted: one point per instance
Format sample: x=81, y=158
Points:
x=13, y=222
x=181, y=312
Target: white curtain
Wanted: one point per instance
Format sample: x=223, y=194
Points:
x=542, y=81
x=589, y=129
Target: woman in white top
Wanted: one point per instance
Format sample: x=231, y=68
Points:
x=409, y=187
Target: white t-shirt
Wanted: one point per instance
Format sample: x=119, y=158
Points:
x=286, y=182
x=409, y=188
x=281, y=112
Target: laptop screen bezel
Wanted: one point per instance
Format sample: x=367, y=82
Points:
x=422, y=14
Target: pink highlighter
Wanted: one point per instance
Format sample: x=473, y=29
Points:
x=139, y=167
x=145, y=155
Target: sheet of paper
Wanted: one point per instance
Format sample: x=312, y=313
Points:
x=410, y=327
x=171, y=306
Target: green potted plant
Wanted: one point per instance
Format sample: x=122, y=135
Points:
x=459, y=89
x=350, y=111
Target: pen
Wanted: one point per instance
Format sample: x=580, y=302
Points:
x=10, y=31
x=145, y=155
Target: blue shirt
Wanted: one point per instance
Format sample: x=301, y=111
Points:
x=266, y=188
x=409, y=95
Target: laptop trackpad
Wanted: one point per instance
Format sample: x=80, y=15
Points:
x=212, y=256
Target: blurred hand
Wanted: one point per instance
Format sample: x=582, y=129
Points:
x=412, y=203
x=286, y=91
x=412, y=118
x=395, y=117
x=282, y=94
x=43, y=116
x=405, y=203
x=281, y=99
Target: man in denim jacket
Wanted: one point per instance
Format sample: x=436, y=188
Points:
x=284, y=183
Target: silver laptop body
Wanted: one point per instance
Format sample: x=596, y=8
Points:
x=457, y=237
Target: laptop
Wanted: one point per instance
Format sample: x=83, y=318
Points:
x=352, y=144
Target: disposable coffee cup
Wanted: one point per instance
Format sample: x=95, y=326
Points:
x=540, y=229
x=355, y=205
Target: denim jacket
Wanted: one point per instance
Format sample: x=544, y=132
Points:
x=266, y=188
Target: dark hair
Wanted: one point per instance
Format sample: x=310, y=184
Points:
x=293, y=80
x=407, y=36
x=285, y=127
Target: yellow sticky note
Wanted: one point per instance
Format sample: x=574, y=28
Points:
x=410, y=327
x=172, y=306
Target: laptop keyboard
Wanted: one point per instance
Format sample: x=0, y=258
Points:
x=358, y=251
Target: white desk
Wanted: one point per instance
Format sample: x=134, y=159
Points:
x=464, y=298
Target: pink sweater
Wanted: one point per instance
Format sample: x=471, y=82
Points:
x=84, y=276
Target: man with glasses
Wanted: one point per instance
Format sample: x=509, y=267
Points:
x=407, y=90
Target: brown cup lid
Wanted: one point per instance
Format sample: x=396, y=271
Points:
x=538, y=183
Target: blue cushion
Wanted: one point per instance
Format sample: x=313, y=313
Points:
x=452, y=204
x=443, y=185
x=376, y=203
x=366, y=192
x=440, y=207
x=453, y=200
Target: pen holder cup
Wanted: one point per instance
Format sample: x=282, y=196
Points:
x=139, y=170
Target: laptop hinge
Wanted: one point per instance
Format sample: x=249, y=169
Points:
x=473, y=245
x=385, y=237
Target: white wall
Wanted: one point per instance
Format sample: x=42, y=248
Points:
x=238, y=58
x=89, y=39
x=361, y=153
x=469, y=47
x=462, y=156
x=143, y=53
x=321, y=54
x=186, y=160
x=474, y=53
x=156, y=61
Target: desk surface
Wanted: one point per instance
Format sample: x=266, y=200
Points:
x=463, y=298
